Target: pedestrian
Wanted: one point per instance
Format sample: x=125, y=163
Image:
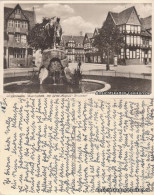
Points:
x=79, y=64
x=68, y=74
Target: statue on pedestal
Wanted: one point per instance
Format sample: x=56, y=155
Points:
x=53, y=32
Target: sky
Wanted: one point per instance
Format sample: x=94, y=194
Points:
x=77, y=18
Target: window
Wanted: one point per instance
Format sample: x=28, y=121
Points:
x=132, y=28
x=131, y=54
x=138, y=29
x=10, y=23
x=142, y=54
x=138, y=40
x=135, y=28
x=147, y=42
x=150, y=42
x=127, y=53
x=17, y=11
x=23, y=39
x=16, y=53
x=149, y=54
x=19, y=53
x=22, y=53
x=122, y=53
x=70, y=45
x=91, y=59
x=88, y=45
x=137, y=53
x=128, y=39
x=128, y=28
x=17, y=37
x=17, y=24
x=134, y=40
x=131, y=40
x=24, y=25
x=70, y=50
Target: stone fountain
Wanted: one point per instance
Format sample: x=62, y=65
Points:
x=54, y=74
x=54, y=59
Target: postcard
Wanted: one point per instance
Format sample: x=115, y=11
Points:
x=76, y=97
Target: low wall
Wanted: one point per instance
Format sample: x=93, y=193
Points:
x=117, y=74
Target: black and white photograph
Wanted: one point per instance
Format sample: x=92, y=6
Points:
x=100, y=48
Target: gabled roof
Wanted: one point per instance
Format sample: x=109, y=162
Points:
x=66, y=38
x=97, y=30
x=146, y=22
x=30, y=15
x=115, y=17
x=76, y=39
x=145, y=33
x=122, y=17
x=18, y=7
x=89, y=35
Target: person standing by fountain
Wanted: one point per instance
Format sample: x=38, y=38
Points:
x=68, y=74
x=79, y=65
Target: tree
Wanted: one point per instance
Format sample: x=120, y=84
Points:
x=109, y=40
x=41, y=37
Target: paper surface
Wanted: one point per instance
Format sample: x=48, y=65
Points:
x=70, y=145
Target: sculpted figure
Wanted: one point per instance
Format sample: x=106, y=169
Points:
x=53, y=31
x=43, y=74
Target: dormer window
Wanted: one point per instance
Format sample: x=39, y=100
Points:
x=17, y=11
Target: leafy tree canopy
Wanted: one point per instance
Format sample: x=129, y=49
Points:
x=38, y=37
x=109, y=39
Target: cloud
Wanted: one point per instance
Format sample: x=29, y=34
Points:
x=50, y=10
x=74, y=25
x=143, y=9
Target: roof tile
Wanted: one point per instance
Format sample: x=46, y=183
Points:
x=77, y=39
x=146, y=22
x=122, y=17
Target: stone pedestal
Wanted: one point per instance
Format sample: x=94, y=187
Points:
x=49, y=54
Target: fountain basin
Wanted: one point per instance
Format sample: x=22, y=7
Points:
x=85, y=86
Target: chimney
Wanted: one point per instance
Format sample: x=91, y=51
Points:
x=80, y=33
